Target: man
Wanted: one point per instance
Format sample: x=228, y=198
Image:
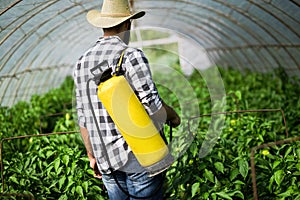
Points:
x=132, y=179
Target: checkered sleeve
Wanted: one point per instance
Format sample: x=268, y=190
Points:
x=78, y=91
x=139, y=77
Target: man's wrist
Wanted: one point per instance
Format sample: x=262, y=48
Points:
x=90, y=155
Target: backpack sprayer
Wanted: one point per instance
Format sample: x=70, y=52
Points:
x=146, y=142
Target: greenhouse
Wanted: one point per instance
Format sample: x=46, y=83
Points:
x=231, y=69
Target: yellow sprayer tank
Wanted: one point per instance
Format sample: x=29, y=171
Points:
x=132, y=120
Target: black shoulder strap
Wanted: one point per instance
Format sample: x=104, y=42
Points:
x=108, y=73
x=118, y=70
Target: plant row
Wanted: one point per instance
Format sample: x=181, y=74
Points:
x=56, y=167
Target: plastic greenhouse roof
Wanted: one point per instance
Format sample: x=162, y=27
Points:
x=40, y=40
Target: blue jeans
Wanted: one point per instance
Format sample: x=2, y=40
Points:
x=136, y=184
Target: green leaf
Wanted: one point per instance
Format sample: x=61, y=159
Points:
x=49, y=153
x=40, y=165
x=85, y=159
x=70, y=183
x=237, y=194
x=56, y=164
x=288, y=151
x=296, y=174
x=298, y=153
x=233, y=174
x=79, y=190
x=271, y=185
x=49, y=170
x=195, y=188
x=66, y=159
x=214, y=196
x=96, y=188
x=219, y=166
x=290, y=158
x=53, y=184
x=238, y=94
x=67, y=170
x=243, y=167
x=287, y=193
x=46, y=140
x=73, y=190
x=27, y=163
x=261, y=138
x=224, y=195
x=85, y=186
x=59, y=170
x=194, y=149
x=34, y=177
x=297, y=197
x=238, y=182
x=63, y=197
x=13, y=179
x=206, y=195
x=262, y=167
x=90, y=172
x=209, y=175
x=278, y=175
x=275, y=164
x=61, y=182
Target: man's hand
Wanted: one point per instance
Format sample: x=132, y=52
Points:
x=175, y=121
x=166, y=114
x=93, y=165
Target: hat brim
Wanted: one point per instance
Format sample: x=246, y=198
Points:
x=95, y=18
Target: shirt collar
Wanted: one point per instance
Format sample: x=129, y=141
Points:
x=113, y=37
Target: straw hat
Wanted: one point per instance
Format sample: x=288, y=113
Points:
x=113, y=13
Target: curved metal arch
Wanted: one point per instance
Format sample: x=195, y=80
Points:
x=20, y=40
x=230, y=51
x=232, y=20
x=32, y=31
x=3, y=84
x=48, y=54
x=271, y=53
x=249, y=31
x=56, y=26
x=21, y=81
x=192, y=36
x=23, y=22
x=47, y=77
x=278, y=18
x=295, y=2
x=31, y=47
x=65, y=66
x=223, y=34
x=195, y=23
x=261, y=26
x=53, y=29
x=36, y=43
x=204, y=34
x=240, y=11
x=18, y=92
x=259, y=23
x=245, y=29
x=237, y=34
x=9, y=7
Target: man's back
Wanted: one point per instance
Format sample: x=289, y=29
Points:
x=138, y=75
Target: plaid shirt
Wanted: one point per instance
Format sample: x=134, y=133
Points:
x=137, y=73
